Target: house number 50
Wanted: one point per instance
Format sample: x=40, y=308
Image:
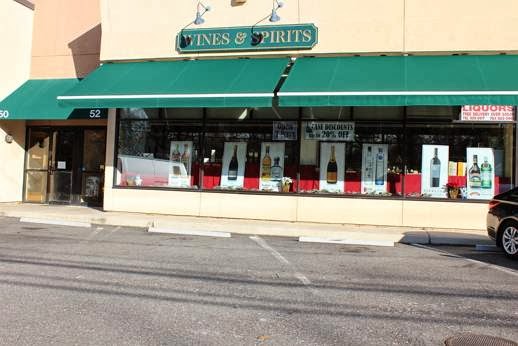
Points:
x=4, y=114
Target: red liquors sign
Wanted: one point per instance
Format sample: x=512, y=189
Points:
x=487, y=113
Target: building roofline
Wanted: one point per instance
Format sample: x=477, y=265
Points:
x=27, y=3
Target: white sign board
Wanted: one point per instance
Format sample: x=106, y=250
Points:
x=329, y=131
x=374, y=168
x=285, y=131
x=272, y=166
x=332, y=167
x=180, y=156
x=434, y=170
x=233, y=170
x=487, y=113
x=480, y=173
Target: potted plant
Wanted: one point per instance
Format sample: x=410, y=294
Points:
x=286, y=184
x=453, y=190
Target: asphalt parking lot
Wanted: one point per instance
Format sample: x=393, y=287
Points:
x=113, y=285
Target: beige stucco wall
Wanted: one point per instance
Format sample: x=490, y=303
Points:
x=425, y=214
x=67, y=36
x=461, y=25
x=147, y=29
x=12, y=160
x=15, y=40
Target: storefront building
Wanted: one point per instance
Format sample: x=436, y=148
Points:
x=48, y=152
x=384, y=113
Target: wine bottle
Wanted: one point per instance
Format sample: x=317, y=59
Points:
x=486, y=175
x=276, y=169
x=266, y=164
x=435, y=169
x=185, y=158
x=233, y=167
x=380, y=168
x=474, y=174
x=332, y=168
x=368, y=165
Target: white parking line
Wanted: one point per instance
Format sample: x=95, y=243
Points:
x=483, y=264
x=301, y=277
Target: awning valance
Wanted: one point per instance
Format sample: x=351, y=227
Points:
x=189, y=83
x=402, y=81
x=36, y=100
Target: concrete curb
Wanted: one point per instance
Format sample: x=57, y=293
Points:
x=56, y=222
x=351, y=234
x=365, y=242
x=190, y=232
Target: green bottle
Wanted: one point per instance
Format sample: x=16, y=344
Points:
x=486, y=175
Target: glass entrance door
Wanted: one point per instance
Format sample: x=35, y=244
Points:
x=94, y=151
x=37, y=165
x=65, y=165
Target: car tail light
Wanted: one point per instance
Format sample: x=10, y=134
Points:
x=493, y=204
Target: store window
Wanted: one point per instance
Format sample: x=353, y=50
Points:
x=392, y=152
x=154, y=151
x=351, y=151
x=247, y=154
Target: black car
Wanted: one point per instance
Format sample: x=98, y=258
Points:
x=502, y=221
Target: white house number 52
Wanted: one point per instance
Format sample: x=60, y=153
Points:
x=95, y=113
x=4, y=114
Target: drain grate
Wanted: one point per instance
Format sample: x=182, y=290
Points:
x=478, y=340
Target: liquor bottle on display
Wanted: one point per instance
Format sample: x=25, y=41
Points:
x=185, y=158
x=380, y=168
x=368, y=165
x=435, y=169
x=276, y=169
x=266, y=164
x=486, y=175
x=474, y=174
x=332, y=168
x=175, y=155
x=233, y=166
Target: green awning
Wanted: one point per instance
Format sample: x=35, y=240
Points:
x=36, y=100
x=188, y=83
x=402, y=81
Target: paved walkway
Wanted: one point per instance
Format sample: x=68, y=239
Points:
x=354, y=234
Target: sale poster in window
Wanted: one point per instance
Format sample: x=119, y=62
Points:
x=374, y=168
x=180, y=160
x=272, y=166
x=434, y=170
x=332, y=167
x=480, y=173
x=233, y=165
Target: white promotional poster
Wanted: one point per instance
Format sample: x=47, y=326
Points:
x=480, y=178
x=434, y=170
x=272, y=166
x=329, y=131
x=180, y=156
x=374, y=168
x=332, y=167
x=233, y=169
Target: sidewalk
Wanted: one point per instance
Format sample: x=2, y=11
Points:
x=349, y=234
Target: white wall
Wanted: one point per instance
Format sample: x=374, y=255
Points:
x=11, y=160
